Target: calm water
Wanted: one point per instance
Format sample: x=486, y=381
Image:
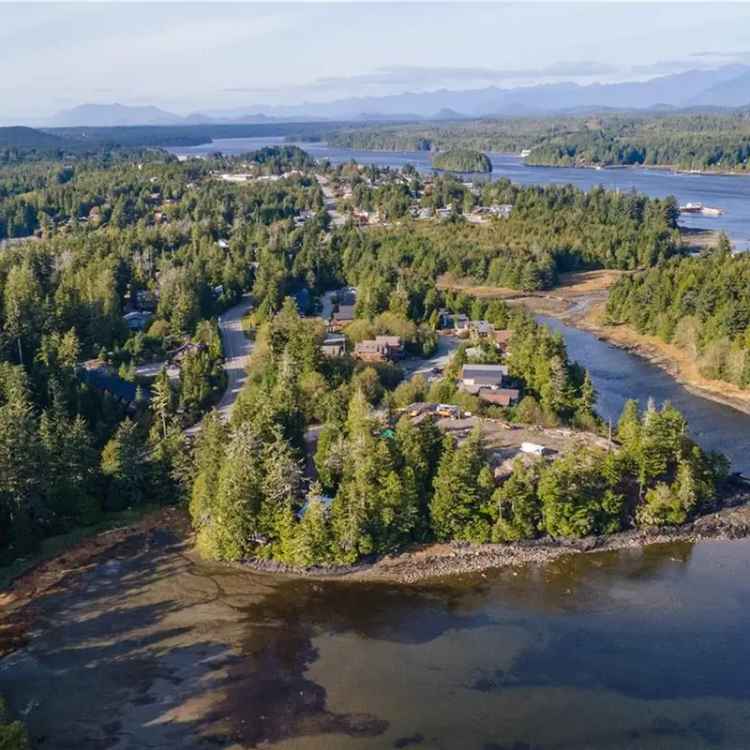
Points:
x=619, y=375
x=637, y=649
x=730, y=193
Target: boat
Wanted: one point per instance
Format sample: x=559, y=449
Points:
x=525, y=152
x=699, y=208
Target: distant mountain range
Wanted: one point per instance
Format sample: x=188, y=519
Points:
x=727, y=86
x=122, y=115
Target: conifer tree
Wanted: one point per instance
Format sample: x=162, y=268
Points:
x=460, y=507
x=230, y=531
x=519, y=510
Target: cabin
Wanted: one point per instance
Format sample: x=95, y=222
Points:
x=379, y=349
x=334, y=345
x=101, y=379
x=500, y=397
x=483, y=376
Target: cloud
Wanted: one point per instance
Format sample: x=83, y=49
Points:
x=415, y=76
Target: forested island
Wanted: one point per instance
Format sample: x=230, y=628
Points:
x=712, y=142
x=462, y=160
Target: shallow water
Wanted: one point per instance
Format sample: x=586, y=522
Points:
x=641, y=648
x=634, y=649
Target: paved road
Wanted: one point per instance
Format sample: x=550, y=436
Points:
x=237, y=349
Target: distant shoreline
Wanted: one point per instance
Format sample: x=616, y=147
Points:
x=671, y=168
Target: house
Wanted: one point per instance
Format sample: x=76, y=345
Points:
x=334, y=345
x=483, y=376
x=393, y=343
x=137, y=320
x=502, y=210
x=179, y=354
x=499, y=397
x=533, y=449
x=343, y=316
x=379, y=349
x=121, y=390
x=223, y=244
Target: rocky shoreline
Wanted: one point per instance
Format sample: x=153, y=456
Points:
x=456, y=558
x=659, y=359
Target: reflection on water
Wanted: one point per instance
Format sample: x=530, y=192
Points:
x=641, y=648
x=619, y=375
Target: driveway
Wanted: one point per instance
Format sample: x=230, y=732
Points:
x=417, y=365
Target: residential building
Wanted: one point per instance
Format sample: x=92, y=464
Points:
x=334, y=345
x=121, y=390
x=481, y=328
x=379, y=349
x=343, y=316
x=502, y=338
x=500, y=396
x=482, y=376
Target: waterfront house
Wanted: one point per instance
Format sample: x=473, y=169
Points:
x=483, y=376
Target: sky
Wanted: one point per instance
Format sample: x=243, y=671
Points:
x=212, y=57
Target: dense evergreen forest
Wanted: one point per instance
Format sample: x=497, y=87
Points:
x=698, y=142
x=127, y=258
x=381, y=489
x=700, y=304
x=688, y=140
x=550, y=230
x=462, y=160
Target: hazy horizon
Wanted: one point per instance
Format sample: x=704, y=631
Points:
x=210, y=57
